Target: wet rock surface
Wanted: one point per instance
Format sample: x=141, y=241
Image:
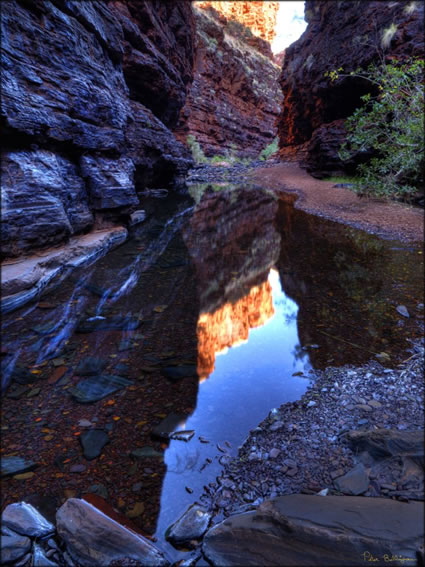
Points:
x=26, y=520
x=312, y=530
x=13, y=547
x=94, y=539
x=190, y=526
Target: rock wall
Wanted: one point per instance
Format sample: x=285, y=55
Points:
x=339, y=34
x=235, y=98
x=90, y=93
x=260, y=17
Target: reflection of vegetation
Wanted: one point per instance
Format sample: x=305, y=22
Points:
x=197, y=153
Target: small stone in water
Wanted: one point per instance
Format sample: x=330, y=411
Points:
x=402, y=310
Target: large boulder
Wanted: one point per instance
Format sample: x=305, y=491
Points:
x=306, y=530
x=339, y=34
x=95, y=540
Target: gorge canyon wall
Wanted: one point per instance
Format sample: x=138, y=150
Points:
x=339, y=34
x=235, y=97
x=90, y=94
x=260, y=17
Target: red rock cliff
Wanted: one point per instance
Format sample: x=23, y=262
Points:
x=260, y=17
x=235, y=97
x=344, y=34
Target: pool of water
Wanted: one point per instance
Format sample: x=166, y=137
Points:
x=235, y=285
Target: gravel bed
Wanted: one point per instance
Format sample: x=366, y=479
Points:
x=300, y=446
x=235, y=173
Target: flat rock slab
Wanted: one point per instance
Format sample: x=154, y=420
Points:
x=381, y=443
x=13, y=547
x=93, y=539
x=15, y=465
x=354, y=482
x=171, y=423
x=190, y=526
x=90, y=366
x=302, y=530
x=95, y=388
x=93, y=442
x=26, y=520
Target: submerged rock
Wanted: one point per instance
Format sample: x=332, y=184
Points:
x=146, y=451
x=13, y=547
x=95, y=388
x=26, y=520
x=190, y=526
x=302, y=529
x=15, y=465
x=111, y=324
x=94, y=539
x=93, y=442
x=177, y=372
x=90, y=366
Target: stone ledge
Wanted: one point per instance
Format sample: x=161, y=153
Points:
x=25, y=279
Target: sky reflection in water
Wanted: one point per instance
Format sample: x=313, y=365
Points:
x=248, y=380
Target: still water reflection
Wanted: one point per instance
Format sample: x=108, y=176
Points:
x=252, y=376
x=237, y=284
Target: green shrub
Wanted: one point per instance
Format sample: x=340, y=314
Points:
x=391, y=125
x=217, y=159
x=269, y=150
x=197, y=153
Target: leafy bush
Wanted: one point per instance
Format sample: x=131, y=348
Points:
x=197, y=153
x=391, y=124
x=269, y=150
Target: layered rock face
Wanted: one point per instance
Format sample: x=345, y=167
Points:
x=235, y=98
x=91, y=91
x=339, y=34
x=260, y=17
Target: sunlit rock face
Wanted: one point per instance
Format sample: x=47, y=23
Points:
x=235, y=97
x=339, y=34
x=260, y=17
x=230, y=325
x=90, y=93
x=233, y=243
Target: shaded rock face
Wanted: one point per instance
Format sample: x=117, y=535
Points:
x=90, y=91
x=301, y=529
x=260, y=17
x=339, y=34
x=235, y=97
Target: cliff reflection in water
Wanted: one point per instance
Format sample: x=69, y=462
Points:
x=230, y=324
x=233, y=243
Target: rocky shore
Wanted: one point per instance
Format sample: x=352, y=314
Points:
x=355, y=438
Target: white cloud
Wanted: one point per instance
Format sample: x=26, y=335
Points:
x=290, y=24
